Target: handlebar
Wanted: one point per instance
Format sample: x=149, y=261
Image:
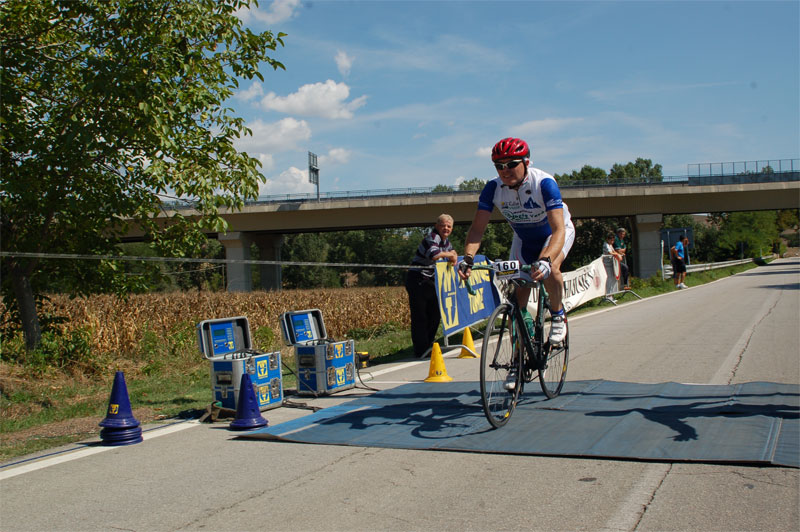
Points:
x=523, y=268
x=507, y=268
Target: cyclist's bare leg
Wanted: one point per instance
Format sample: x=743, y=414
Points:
x=555, y=283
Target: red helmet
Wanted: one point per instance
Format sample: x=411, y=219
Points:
x=510, y=147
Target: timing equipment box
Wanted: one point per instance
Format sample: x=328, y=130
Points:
x=323, y=366
x=226, y=344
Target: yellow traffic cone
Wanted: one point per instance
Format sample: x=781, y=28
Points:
x=468, y=347
x=437, y=373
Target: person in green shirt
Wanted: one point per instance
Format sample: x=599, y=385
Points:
x=621, y=248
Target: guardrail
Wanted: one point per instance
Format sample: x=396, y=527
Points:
x=666, y=270
x=768, y=166
x=784, y=172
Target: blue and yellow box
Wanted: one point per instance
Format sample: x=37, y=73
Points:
x=323, y=366
x=226, y=344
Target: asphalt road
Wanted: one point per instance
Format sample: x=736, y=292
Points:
x=197, y=477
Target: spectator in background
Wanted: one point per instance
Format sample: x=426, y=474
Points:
x=678, y=259
x=622, y=249
x=421, y=286
x=608, y=249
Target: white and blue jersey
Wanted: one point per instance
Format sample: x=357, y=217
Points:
x=526, y=211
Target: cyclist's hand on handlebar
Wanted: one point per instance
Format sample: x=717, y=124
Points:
x=465, y=267
x=542, y=270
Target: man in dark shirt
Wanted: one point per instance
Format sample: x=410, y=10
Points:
x=421, y=287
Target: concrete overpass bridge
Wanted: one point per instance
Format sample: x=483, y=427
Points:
x=264, y=222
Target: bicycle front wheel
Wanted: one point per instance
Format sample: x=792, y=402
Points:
x=553, y=372
x=499, y=355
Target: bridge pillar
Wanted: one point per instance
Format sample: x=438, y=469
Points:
x=237, y=247
x=647, y=245
x=269, y=247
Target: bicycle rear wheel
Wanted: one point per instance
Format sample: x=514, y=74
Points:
x=499, y=354
x=553, y=373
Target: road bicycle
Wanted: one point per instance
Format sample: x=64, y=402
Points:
x=507, y=344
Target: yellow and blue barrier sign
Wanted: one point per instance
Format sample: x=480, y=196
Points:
x=459, y=308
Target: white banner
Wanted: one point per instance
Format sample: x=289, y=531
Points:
x=586, y=283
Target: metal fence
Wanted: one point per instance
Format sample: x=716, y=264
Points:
x=743, y=167
x=745, y=171
x=666, y=270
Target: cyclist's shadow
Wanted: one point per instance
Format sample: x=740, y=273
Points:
x=676, y=417
x=427, y=418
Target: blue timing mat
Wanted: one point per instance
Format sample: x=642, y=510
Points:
x=754, y=422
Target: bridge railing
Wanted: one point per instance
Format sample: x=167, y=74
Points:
x=699, y=174
x=743, y=167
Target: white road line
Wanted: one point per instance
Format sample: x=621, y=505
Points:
x=726, y=371
x=630, y=511
x=88, y=451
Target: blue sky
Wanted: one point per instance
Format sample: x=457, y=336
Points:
x=396, y=94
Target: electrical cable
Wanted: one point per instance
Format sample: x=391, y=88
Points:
x=29, y=255
x=364, y=386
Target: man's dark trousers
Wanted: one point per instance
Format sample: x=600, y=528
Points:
x=424, y=306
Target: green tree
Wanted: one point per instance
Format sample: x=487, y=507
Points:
x=308, y=247
x=788, y=219
x=475, y=183
x=587, y=174
x=641, y=170
x=107, y=104
x=748, y=234
x=590, y=234
x=394, y=246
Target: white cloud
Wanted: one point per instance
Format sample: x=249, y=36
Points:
x=442, y=53
x=278, y=11
x=267, y=163
x=269, y=138
x=291, y=181
x=327, y=100
x=251, y=93
x=335, y=156
x=484, y=152
x=544, y=126
x=343, y=62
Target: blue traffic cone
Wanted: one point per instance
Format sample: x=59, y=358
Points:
x=120, y=427
x=248, y=415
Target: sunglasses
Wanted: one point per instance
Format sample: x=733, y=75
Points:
x=509, y=164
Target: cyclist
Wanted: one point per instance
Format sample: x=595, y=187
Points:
x=531, y=202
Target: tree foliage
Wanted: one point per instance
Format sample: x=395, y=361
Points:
x=640, y=170
x=476, y=183
x=106, y=105
x=632, y=172
x=748, y=234
x=587, y=174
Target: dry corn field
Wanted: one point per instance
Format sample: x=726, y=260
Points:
x=117, y=325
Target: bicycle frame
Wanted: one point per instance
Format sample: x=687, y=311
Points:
x=516, y=350
x=533, y=347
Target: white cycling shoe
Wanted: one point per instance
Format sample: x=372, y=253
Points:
x=558, y=330
x=511, y=381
